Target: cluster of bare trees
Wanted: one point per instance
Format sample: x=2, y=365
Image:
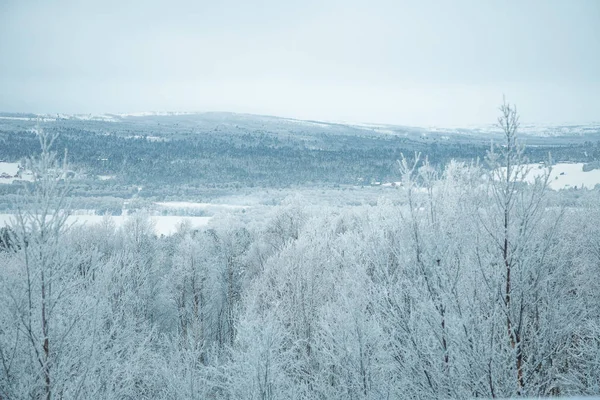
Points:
x=469, y=284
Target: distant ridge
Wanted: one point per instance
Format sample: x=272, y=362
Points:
x=540, y=130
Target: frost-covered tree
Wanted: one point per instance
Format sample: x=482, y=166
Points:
x=44, y=342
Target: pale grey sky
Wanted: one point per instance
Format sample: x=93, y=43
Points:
x=415, y=62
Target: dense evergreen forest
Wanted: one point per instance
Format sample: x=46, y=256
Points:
x=232, y=151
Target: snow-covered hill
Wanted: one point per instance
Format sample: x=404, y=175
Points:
x=251, y=121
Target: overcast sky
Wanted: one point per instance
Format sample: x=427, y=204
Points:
x=406, y=62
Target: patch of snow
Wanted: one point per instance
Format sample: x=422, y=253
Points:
x=565, y=175
x=17, y=118
x=9, y=172
x=306, y=122
x=156, y=114
x=392, y=184
x=163, y=225
x=9, y=168
x=385, y=131
x=89, y=117
x=200, y=206
x=526, y=129
x=155, y=139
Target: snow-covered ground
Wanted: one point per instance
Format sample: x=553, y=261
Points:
x=163, y=225
x=9, y=168
x=16, y=118
x=527, y=129
x=8, y=172
x=392, y=184
x=201, y=206
x=566, y=175
x=157, y=113
x=309, y=123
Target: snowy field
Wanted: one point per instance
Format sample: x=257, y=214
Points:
x=567, y=175
x=201, y=206
x=163, y=225
x=8, y=172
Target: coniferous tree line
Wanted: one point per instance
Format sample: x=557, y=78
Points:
x=474, y=286
x=172, y=155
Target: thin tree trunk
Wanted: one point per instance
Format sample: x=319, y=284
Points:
x=46, y=343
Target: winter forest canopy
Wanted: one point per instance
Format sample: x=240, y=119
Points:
x=468, y=280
